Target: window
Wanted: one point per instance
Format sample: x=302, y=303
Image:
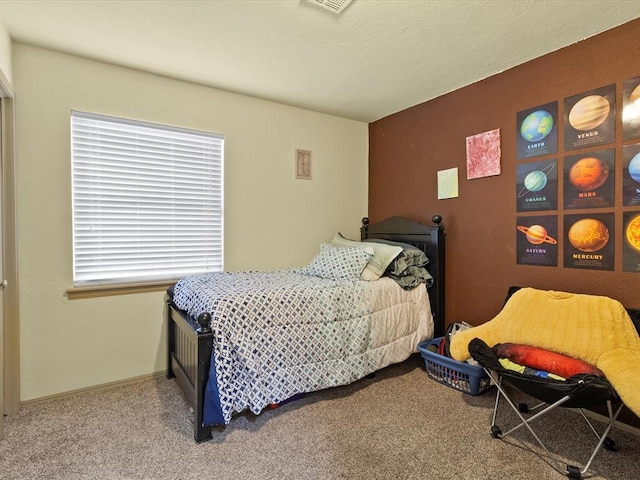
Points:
x=147, y=201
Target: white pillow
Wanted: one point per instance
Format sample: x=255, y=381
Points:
x=339, y=263
x=383, y=255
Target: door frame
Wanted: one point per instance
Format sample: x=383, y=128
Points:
x=9, y=320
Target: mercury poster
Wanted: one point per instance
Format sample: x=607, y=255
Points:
x=537, y=186
x=589, y=118
x=537, y=131
x=589, y=241
x=631, y=242
x=631, y=175
x=589, y=180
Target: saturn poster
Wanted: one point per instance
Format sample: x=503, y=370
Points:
x=537, y=240
x=589, y=118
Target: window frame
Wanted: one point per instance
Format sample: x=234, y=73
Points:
x=146, y=158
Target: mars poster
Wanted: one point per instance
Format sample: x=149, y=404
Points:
x=537, y=186
x=631, y=175
x=589, y=118
x=589, y=241
x=536, y=242
x=631, y=242
x=631, y=108
x=537, y=131
x=589, y=180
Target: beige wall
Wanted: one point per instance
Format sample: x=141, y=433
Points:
x=271, y=219
x=5, y=54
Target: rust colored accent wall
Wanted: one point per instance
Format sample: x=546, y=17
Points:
x=407, y=150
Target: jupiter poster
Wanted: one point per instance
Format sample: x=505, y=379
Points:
x=589, y=118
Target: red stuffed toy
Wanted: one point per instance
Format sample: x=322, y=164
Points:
x=545, y=360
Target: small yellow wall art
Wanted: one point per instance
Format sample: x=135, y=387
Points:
x=448, y=183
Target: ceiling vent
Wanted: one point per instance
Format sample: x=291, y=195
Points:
x=336, y=6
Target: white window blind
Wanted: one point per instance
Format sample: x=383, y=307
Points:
x=147, y=201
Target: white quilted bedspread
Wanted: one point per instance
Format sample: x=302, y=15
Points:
x=281, y=333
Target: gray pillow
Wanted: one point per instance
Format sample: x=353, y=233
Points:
x=339, y=263
x=411, y=256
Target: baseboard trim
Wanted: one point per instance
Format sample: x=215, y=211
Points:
x=95, y=388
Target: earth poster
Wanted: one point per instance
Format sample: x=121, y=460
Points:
x=537, y=131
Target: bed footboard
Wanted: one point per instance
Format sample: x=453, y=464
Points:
x=188, y=360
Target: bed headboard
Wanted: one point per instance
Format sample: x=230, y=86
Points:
x=430, y=239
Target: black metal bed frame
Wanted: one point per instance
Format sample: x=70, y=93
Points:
x=190, y=341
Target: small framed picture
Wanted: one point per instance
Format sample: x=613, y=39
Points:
x=303, y=164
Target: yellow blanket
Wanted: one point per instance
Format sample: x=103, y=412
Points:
x=592, y=328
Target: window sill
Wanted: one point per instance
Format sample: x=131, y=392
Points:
x=77, y=293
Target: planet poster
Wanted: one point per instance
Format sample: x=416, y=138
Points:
x=589, y=180
x=631, y=175
x=537, y=131
x=589, y=118
x=589, y=241
x=631, y=242
x=537, y=240
x=537, y=186
x=631, y=108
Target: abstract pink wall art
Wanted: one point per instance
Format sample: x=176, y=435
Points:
x=483, y=154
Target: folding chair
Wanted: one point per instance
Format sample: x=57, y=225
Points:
x=577, y=392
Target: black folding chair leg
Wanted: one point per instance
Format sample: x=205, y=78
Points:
x=495, y=430
x=571, y=471
x=612, y=420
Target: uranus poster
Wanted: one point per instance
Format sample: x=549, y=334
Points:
x=537, y=186
x=537, y=131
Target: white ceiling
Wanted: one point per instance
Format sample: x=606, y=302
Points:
x=376, y=58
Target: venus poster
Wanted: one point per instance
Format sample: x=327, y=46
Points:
x=589, y=118
x=631, y=242
x=536, y=242
x=537, y=186
x=537, y=131
x=589, y=180
x=631, y=108
x=631, y=175
x=589, y=241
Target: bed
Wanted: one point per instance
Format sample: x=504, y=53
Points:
x=267, y=337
